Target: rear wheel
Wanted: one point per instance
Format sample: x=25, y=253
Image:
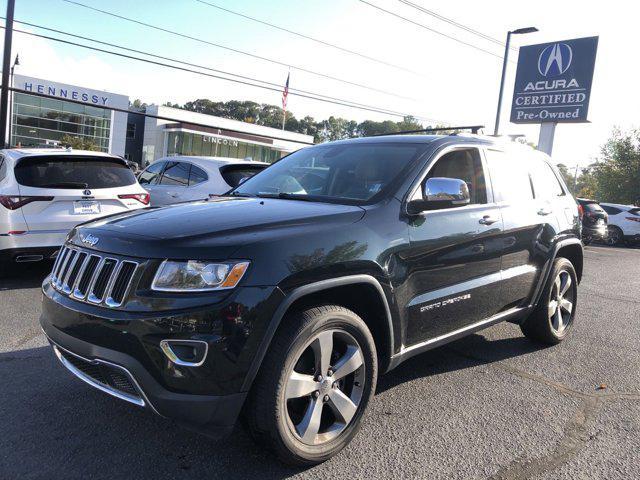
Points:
x=614, y=235
x=314, y=386
x=553, y=317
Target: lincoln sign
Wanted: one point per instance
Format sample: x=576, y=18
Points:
x=553, y=81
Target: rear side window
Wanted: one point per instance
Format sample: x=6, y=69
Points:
x=197, y=175
x=151, y=175
x=73, y=172
x=3, y=168
x=176, y=174
x=510, y=177
x=233, y=174
x=546, y=185
x=594, y=207
x=611, y=210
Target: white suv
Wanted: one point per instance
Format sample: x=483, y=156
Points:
x=624, y=223
x=44, y=193
x=186, y=178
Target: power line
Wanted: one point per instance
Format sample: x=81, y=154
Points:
x=345, y=103
x=454, y=23
x=450, y=37
x=313, y=39
x=153, y=55
x=235, y=50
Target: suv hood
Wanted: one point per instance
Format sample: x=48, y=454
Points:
x=211, y=229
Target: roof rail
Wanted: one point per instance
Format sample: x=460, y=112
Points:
x=474, y=129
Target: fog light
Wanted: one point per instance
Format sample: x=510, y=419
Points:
x=185, y=353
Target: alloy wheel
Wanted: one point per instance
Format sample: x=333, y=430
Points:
x=561, y=302
x=325, y=387
x=613, y=236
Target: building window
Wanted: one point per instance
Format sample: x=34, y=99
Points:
x=44, y=121
x=187, y=143
x=131, y=130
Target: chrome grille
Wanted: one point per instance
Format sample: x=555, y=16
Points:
x=92, y=277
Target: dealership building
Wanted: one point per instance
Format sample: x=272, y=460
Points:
x=166, y=131
x=40, y=121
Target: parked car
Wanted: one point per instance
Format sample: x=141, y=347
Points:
x=134, y=166
x=44, y=193
x=624, y=223
x=594, y=221
x=285, y=305
x=181, y=178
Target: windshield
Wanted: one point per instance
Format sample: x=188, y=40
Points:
x=73, y=172
x=351, y=173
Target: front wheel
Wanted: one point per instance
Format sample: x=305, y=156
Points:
x=314, y=385
x=550, y=322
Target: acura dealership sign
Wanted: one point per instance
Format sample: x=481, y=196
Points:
x=553, y=81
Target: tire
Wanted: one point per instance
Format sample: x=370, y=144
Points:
x=552, y=318
x=288, y=426
x=615, y=236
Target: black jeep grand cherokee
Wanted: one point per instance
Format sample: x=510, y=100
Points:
x=285, y=298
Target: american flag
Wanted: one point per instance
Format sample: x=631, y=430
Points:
x=285, y=92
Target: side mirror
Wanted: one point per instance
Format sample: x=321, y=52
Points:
x=439, y=193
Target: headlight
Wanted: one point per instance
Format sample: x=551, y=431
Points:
x=197, y=276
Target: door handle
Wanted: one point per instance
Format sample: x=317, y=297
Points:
x=544, y=211
x=172, y=194
x=488, y=220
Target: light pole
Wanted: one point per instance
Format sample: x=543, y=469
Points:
x=16, y=62
x=519, y=31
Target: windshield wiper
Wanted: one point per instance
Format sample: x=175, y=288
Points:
x=237, y=194
x=65, y=184
x=288, y=196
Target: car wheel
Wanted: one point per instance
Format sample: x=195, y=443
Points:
x=553, y=317
x=614, y=235
x=586, y=240
x=315, y=383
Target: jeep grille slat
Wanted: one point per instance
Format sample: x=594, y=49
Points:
x=92, y=277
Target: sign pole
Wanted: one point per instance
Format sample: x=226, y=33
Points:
x=545, y=139
x=505, y=59
x=6, y=66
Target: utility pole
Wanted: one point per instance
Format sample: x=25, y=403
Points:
x=6, y=67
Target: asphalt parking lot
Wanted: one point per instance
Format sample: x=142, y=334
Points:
x=491, y=405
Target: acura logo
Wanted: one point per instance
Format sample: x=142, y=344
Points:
x=89, y=239
x=87, y=193
x=555, y=59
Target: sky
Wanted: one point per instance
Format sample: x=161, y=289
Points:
x=439, y=80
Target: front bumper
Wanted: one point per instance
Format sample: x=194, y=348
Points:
x=213, y=415
x=119, y=353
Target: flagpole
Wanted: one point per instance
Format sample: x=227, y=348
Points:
x=285, y=97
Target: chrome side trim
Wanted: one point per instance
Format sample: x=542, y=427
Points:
x=474, y=326
x=140, y=401
x=472, y=284
x=168, y=351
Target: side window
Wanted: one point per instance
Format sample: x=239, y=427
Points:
x=611, y=210
x=510, y=178
x=197, y=175
x=464, y=165
x=151, y=174
x=3, y=169
x=176, y=174
x=546, y=185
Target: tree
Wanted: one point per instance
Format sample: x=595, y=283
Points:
x=618, y=172
x=78, y=143
x=568, y=177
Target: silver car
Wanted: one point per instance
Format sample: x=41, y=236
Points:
x=183, y=178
